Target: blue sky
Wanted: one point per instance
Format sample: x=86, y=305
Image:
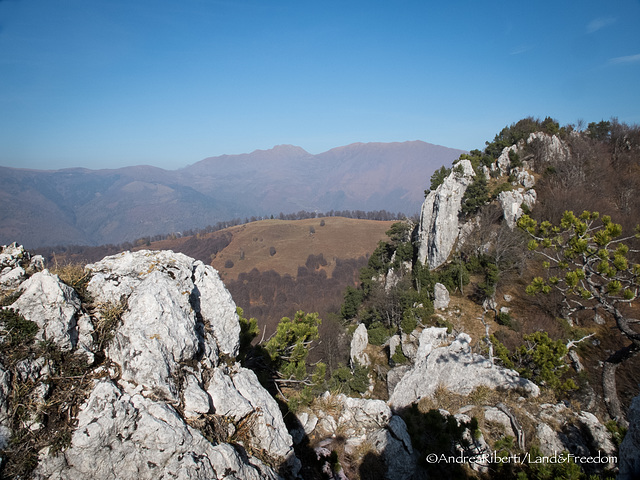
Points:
x=109, y=83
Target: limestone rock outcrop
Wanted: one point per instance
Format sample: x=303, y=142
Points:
x=15, y=264
x=362, y=422
x=165, y=399
x=441, y=297
x=359, y=343
x=512, y=201
x=134, y=437
x=439, y=225
x=454, y=367
x=551, y=147
x=53, y=306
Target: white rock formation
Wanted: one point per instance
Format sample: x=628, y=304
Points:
x=548, y=439
x=371, y=421
x=524, y=178
x=455, y=368
x=394, y=276
x=553, y=149
x=51, y=304
x=5, y=414
x=163, y=368
x=394, y=376
x=430, y=338
x=133, y=437
x=497, y=416
x=598, y=436
x=504, y=161
x=268, y=431
x=195, y=399
x=12, y=272
x=440, y=297
x=117, y=276
x=511, y=203
x=394, y=343
x=439, y=226
x=359, y=343
x=158, y=332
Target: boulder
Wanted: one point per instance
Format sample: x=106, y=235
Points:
x=409, y=343
x=53, y=306
x=394, y=343
x=549, y=440
x=524, y=178
x=597, y=435
x=441, y=297
x=511, y=203
x=11, y=277
x=430, y=338
x=359, y=343
x=455, y=368
x=497, y=416
x=400, y=463
x=15, y=265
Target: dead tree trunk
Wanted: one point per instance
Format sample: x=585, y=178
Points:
x=515, y=425
x=609, y=388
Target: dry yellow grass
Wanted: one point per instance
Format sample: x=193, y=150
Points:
x=293, y=241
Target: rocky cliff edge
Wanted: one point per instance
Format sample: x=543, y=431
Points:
x=157, y=389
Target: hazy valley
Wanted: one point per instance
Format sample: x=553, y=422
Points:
x=96, y=207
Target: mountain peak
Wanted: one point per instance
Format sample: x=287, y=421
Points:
x=281, y=152
x=287, y=148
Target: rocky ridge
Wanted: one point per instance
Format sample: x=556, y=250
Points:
x=440, y=228
x=169, y=399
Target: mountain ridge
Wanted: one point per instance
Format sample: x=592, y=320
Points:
x=92, y=207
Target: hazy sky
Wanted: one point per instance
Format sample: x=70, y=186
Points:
x=108, y=83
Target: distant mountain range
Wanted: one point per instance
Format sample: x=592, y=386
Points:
x=93, y=207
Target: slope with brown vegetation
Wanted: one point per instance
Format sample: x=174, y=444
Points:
x=275, y=267
x=284, y=246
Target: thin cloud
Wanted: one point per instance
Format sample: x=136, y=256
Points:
x=519, y=50
x=625, y=60
x=600, y=23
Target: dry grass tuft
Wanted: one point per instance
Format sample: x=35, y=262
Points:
x=108, y=316
x=74, y=275
x=329, y=404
